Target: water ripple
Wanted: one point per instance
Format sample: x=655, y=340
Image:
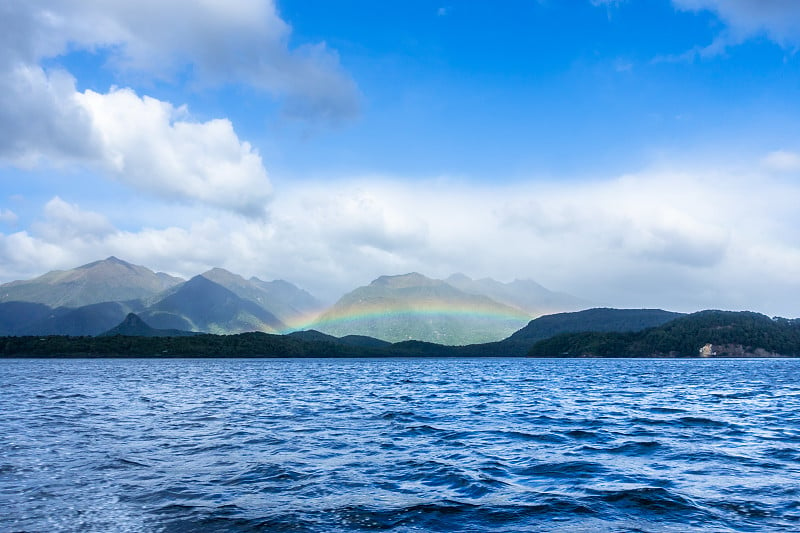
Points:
x=400, y=445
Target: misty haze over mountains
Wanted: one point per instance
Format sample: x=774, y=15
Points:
x=96, y=297
x=93, y=298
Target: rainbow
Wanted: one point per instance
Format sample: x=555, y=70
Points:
x=369, y=311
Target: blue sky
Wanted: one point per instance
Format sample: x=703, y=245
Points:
x=634, y=152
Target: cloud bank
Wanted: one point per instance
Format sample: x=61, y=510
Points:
x=684, y=240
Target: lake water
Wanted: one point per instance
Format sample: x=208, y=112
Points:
x=400, y=445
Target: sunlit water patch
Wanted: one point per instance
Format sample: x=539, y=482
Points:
x=400, y=445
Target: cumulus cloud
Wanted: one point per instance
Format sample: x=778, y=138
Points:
x=145, y=143
x=40, y=114
x=64, y=234
x=66, y=222
x=152, y=145
x=778, y=20
x=215, y=43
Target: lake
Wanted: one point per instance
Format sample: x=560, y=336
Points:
x=399, y=445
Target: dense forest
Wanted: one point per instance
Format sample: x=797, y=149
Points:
x=707, y=333
x=206, y=345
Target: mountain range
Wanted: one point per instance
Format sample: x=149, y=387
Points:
x=110, y=280
x=74, y=312
x=526, y=295
x=94, y=298
x=455, y=311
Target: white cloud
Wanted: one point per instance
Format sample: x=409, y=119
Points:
x=141, y=141
x=40, y=115
x=778, y=20
x=681, y=240
x=145, y=143
x=65, y=222
x=782, y=161
x=148, y=144
x=236, y=41
x=7, y=216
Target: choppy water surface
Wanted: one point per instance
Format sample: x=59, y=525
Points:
x=400, y=445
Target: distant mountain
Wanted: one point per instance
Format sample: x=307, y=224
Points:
x=93, y=298
x=526, y=295
x=598, y=319
x=414, y=307
x=703, y=334
x=291, y=305
x=203, y=305
x=16, y=316
x=90, y=319
x=133, y=326
x=311, y=335
x=108, y=280
x=594, y=320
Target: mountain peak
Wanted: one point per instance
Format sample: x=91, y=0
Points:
x=218, y=270
x=133, y=320
x=108, y=261
x=107, y=280
x=202, y=304
x=413, y=306
x=412, y=279
x=458, y=277
x=222, y=276
x=134, y=326
x=200, y=280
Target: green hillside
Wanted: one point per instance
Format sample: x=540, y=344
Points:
x=598, y=319
x=707, y=333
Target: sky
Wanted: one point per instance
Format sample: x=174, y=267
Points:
x=633, y=153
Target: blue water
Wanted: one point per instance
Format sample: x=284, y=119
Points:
x=400, y=445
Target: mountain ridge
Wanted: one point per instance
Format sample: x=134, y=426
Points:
x=290, y=304
x=414, y=307
x=708, y=333
x=526, y=295
x=204, y=305
x=106, y=280
x=390, y=308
